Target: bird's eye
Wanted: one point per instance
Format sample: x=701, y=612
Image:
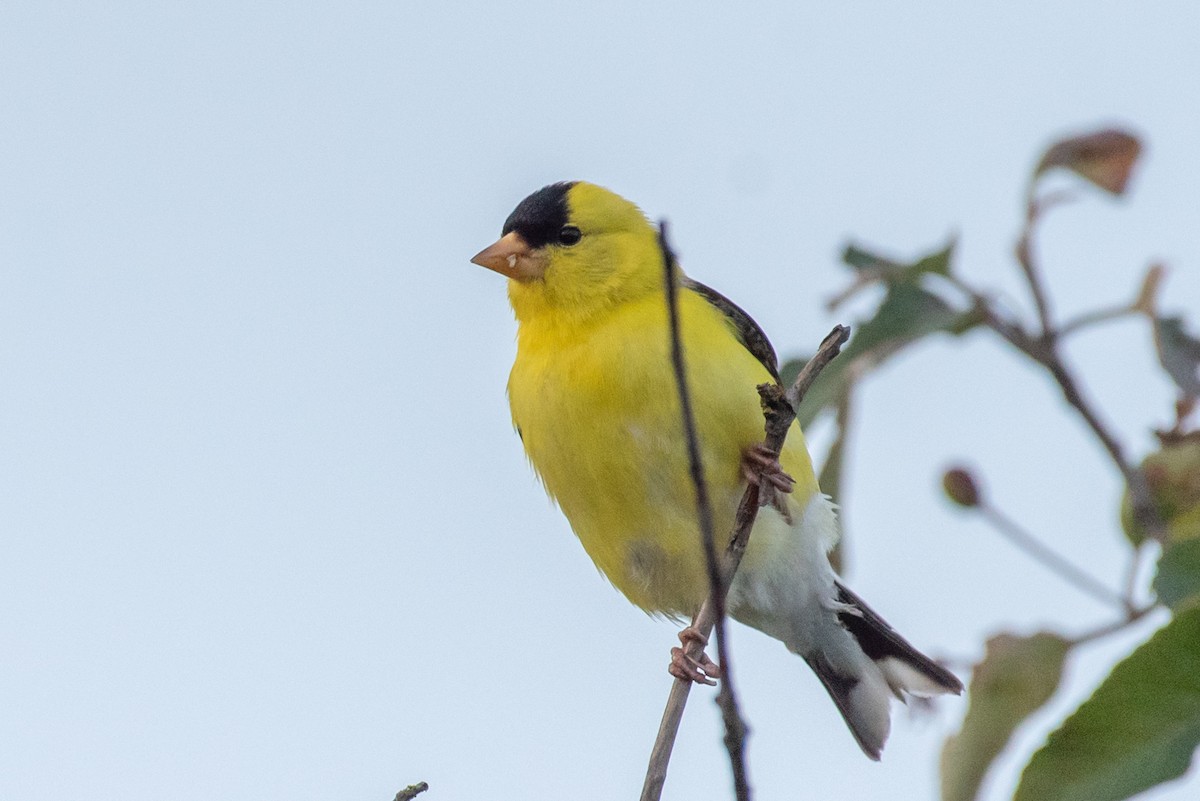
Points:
x=569, y=235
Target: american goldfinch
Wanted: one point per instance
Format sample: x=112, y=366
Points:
x=594, y=402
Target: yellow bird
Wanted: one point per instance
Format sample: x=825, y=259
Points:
x=594, y=401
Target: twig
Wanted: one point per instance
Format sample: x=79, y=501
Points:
x=830, y=347
x=1024, y=254
x=1044, y=350
x=1132, y=572
x=735, y=728
x=779, y=409
x=862, y=279
x=981, y=304
x=1065, y=569
x=410, y=792
x=1144, y=510
x=1132, y=616
x=1088, y=319
x=1047, y=353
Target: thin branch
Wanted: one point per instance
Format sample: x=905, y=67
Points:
x=1144, y=510
x=1132, y=572
x=830, y=347
x=1024, y=254
x=1088, y=319
x=1009, y=330
x=735, y=727
x=779, y=414
x=862, y=279
x=1132, y=616
x=1066, y=570
x=1043, y=348
x=1050, y=357
x=1045, y=351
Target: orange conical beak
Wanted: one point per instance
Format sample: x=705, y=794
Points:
x=512, y=257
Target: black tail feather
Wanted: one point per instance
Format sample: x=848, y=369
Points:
x=879, y=640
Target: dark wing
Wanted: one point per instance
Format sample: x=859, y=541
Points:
x=879, y=640
x=748, y=332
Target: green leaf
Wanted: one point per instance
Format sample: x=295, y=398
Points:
x=937, y=263
x=1016, y=677
x=865, y=261
x=1178, y=580
x=830, y=478
x=907, y=313
x=1179, y=353
x=1139, y=729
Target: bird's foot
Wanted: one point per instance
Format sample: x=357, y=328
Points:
x=760, y=466
x=701, y=670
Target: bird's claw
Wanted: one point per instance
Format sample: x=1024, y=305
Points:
x=700, y=670
x=760, y=466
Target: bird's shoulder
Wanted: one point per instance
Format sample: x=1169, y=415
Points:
x=748, y=332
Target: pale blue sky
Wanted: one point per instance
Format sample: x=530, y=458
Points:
x=265, y=531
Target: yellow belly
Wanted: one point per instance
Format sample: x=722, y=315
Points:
x=598, y=412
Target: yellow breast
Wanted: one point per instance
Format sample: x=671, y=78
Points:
x=598, y=412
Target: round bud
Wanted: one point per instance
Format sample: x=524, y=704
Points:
x=960, y=487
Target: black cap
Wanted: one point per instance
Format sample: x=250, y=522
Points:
x=539, y=217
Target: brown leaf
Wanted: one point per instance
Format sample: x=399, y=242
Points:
x=1016, y=677
x=1105, y=158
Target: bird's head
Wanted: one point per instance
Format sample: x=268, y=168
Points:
x=573, y=250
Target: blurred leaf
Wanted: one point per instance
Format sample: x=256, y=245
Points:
x=1139, y=729
x=792, y=367
x=1178, y=580
x=1105, y=158
x=830, y=478
x=1016, y=677
x=908, y=313
x=938, y=262
x=1179, y=353
x=1173, y=477
x=865, y=261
